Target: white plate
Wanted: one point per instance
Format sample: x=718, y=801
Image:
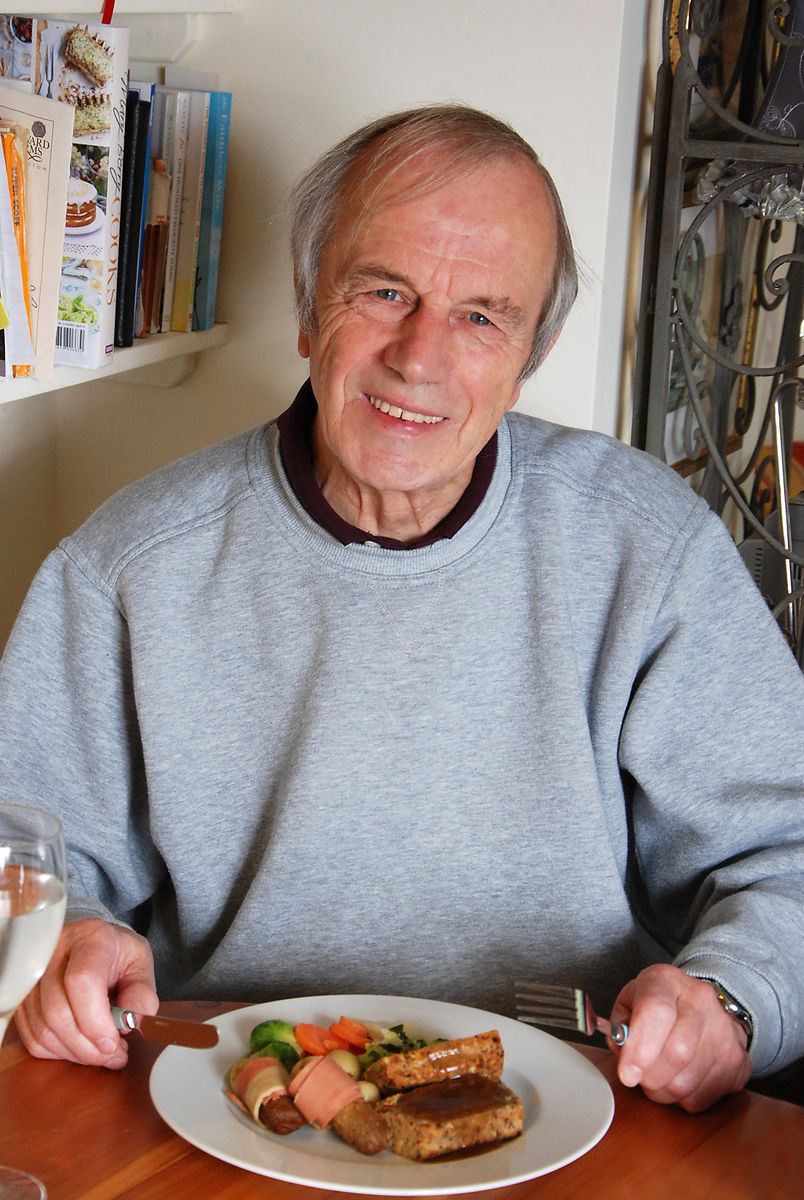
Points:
x=568, y=1104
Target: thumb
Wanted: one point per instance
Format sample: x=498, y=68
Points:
x=138, y=995
x=136, y=985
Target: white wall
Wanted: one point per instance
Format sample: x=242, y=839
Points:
x=305, y=72
x=27, y=498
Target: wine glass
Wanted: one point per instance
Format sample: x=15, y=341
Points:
x=33, y=894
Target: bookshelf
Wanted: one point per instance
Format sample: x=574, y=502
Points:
x=146, y=352
x=91, y=8
x=179, y=349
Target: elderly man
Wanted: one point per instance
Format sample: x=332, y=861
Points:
x=406, y=693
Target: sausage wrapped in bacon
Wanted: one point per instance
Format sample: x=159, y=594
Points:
x=326, y=1095
x=260, y=1086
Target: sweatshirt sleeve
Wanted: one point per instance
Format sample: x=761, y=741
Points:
x=713, y=742
x=69, y=740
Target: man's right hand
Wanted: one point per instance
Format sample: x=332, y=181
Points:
x=67, y=1015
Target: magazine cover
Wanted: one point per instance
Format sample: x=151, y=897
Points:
x=86, y=66
x=47, y=130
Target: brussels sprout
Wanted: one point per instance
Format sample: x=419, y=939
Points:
x=274, y=1031
x=282, y=1051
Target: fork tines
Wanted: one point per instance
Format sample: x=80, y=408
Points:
x=561, y=1006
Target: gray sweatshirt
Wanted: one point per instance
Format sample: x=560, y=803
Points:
x=563, y=744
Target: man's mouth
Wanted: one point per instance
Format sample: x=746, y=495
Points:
x=403, y=414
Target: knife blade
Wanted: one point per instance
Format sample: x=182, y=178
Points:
x=196, y=1035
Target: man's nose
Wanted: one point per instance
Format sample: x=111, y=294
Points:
x=419, y=347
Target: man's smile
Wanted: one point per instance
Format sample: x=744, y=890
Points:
x=403, y=414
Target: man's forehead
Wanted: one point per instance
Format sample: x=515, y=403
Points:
x=430, y=189
x=377, y=182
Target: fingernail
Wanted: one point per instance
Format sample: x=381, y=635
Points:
x=106, y=1046
x=630, y=1076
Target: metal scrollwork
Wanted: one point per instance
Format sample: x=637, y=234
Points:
x=719, y=349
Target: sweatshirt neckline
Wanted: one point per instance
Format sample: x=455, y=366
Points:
x=272, y=486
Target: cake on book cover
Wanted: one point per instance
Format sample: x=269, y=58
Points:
x=86, y=66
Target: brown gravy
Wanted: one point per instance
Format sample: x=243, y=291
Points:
x=468, y=1096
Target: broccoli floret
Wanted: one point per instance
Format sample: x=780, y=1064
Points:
x=274, y=1031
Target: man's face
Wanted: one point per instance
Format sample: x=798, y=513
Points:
x=426, y=307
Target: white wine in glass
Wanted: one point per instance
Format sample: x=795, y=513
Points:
x=33, y=893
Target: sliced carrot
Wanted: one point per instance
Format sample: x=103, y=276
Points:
x=351, y=1031
x=315, y=1039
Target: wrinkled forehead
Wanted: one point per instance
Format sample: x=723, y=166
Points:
x=385, y=175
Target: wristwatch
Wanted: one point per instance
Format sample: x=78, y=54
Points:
x=734, y=1009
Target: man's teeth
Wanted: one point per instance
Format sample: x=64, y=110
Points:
x=394, y=410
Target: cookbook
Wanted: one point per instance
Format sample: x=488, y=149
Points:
x=86, y=66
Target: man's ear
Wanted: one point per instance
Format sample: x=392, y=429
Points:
x=514, y=397
x=303, y=342
x=553, y=341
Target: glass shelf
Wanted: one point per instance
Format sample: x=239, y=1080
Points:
x=144, y=353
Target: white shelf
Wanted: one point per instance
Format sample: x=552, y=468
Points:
x=92, y=8
x=144, y=353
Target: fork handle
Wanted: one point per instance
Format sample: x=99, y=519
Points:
x=616, y=1030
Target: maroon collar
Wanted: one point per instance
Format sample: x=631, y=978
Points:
x=296, y=447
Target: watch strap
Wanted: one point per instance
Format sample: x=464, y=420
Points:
x=735, y=1010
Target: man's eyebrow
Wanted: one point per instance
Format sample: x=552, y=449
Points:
x=371, y=273
x=501, y=306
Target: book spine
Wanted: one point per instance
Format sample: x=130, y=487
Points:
x=159, y=196
x=189, y=227
x=127, y=206
x=91, y=255
x=209, y=240
x=114, y=197
x=146, y=92
x=177, y=168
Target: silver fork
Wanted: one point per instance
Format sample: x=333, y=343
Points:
x=50, y=69
x=563, y=1007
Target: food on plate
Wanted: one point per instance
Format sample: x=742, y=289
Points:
x=89, y=54
x=260, y=1085
x=481, y=1054
x=377, y=1087
x=454, y=1114
x=326, y=1094
x=359, y=1126
x=82, y=203
x=276, y=1038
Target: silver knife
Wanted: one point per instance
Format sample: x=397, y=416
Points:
x=167, y=1030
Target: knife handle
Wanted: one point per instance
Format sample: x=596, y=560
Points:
x=124, y=1019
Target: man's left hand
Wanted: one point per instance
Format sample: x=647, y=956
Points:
x=682, y=1047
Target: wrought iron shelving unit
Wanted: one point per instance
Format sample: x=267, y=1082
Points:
x=717, y=374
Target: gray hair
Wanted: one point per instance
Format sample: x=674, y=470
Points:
x=386, y=146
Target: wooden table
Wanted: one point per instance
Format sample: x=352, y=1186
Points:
x=94, y=1135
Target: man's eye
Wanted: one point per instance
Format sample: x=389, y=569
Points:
x=478, y=319
x=387, y=294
